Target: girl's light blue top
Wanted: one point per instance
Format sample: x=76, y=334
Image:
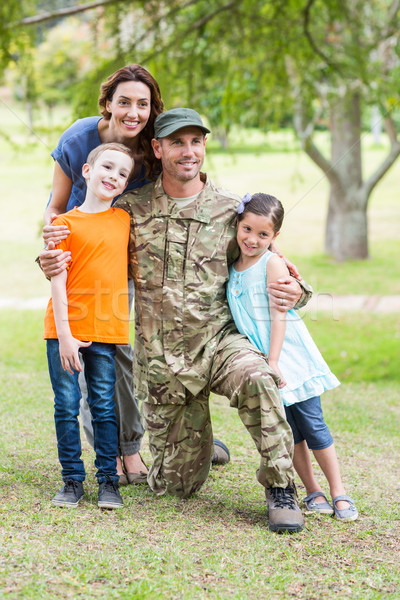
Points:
x=305, y=371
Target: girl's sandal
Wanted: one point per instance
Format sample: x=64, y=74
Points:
x=345, y=514
x=323, y=508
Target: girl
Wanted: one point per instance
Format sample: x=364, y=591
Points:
x=291, y=351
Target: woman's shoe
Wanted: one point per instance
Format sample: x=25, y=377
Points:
x=221, y=454
x=134, y=478
x=323, y=508
x=123, y=480
x=141, y=477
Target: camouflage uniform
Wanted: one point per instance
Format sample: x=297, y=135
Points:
x=186, y=344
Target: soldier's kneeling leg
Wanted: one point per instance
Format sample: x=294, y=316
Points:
x=181, y=444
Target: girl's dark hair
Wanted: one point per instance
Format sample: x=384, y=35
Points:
x=267, y=206
x=137, y=73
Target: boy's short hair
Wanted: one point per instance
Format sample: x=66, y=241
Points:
x=96, y=152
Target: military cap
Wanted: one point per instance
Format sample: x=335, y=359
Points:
x=176, y=118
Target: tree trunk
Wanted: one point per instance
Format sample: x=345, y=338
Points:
x=346, y=225
x=221, y=134
x=347, y=231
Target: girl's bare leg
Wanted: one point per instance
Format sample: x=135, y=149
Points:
x=327, y=460
x=302, y=464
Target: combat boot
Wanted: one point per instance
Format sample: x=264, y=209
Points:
x=284, y=513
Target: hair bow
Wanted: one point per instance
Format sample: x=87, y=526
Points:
x=246, y=198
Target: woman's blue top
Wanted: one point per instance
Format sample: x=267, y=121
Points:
x=72, y=151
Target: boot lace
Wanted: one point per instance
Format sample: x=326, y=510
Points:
x=283, y=497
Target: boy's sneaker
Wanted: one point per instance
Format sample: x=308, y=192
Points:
x=70, y=494
x=109, y=496
x=284, y=513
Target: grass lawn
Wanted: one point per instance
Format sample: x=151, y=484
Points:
x=214, y=545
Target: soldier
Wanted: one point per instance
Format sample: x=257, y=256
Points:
x=186, y=344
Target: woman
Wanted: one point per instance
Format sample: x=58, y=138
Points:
x=130, y=100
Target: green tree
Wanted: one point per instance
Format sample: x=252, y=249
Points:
x=254, y=61
x=63, y=59
x=350, y=64
x=316, y=58
x=10, y=42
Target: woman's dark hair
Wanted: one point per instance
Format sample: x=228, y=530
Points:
x=137, y=73
x=267, y=206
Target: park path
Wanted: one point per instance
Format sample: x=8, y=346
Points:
x=320, y=302
x=354, y=303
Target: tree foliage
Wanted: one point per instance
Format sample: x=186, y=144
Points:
x=254, y=62
x=250, y=62
x=62, y=60
x=14, y=41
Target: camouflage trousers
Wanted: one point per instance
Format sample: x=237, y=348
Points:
x=181, y=437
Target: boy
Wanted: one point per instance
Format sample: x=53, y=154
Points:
x=89, y=313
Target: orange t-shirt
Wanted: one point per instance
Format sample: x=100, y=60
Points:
x=97, y=282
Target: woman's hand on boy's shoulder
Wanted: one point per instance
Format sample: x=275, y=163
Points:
x=52, y=261
x=54, y=233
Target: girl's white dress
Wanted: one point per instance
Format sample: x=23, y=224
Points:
x=305, y=371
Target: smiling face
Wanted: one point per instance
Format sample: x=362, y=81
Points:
x=109, y=174
x=254, y=236
x=181, y=153
x=130, y=109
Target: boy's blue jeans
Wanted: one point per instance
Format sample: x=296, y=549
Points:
x=100, y=379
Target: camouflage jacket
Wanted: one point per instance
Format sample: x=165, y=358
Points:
x=179, y=262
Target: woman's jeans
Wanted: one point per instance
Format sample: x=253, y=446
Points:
x=100, y=378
